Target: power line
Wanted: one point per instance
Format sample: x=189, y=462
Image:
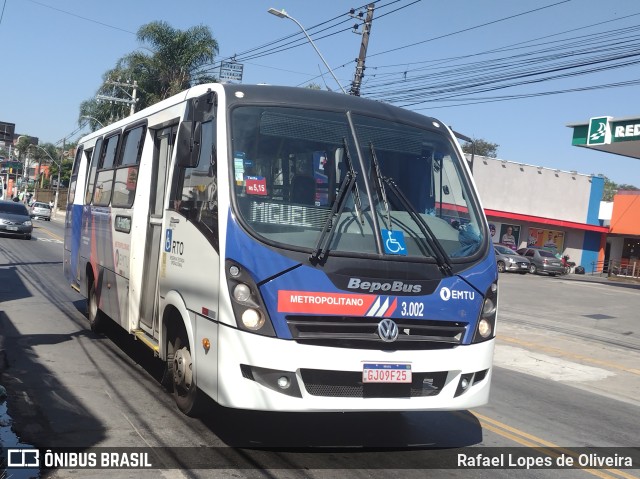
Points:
x=439, y=37
x=475, y=101
x=579, y=55
x=512, y=46
x=81, y=17
x=298, y=40
x=2, y=14
x=580, y=41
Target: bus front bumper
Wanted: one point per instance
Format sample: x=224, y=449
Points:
x=260, y=373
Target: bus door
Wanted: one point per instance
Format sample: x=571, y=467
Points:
x=163, y=147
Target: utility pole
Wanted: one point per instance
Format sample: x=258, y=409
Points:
x=114, y=99
x=57, y=197
x=134, y=94
x=357, y=79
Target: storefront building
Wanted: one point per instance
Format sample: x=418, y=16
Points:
x=529, y=205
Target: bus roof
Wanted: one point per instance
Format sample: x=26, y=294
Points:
x=271, y=94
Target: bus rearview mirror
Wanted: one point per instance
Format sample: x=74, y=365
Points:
x=188, y=144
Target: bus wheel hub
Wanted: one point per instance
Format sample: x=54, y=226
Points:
x=182, y=374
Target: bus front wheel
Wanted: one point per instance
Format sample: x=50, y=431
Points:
x=95, y=316
x=185, y=391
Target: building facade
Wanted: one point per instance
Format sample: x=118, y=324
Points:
x=529, y=205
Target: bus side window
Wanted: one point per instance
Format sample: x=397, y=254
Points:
x=104, y=179
x=194, y=192
x=126, y=175
x=93, y=169
x=74, y=176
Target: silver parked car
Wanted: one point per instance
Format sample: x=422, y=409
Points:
x=509, y=260
x=15, y=219
x=543, y=261
x=41, y=211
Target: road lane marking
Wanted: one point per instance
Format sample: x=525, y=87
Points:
x=49, y=240
x=560, y=352
x=529, y=440
x=50, y=233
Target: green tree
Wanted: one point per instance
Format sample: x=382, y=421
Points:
x=42, y=154
x=482, y=148
x=611, y=188
x=169, y=61
x=67, y=165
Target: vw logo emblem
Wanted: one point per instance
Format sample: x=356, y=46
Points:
x=388, y=330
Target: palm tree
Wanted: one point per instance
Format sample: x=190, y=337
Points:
x=176, y=60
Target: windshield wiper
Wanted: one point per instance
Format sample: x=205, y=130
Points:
x=379, y=182
x=348, y=184
x=357, y=204
x=439, y=253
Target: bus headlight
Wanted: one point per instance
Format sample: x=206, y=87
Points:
x=252, y=319
x=486, y=328
x=242, y=293
x=248, y=308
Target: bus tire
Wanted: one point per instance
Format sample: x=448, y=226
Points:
x=185, y=390
x=96, y=317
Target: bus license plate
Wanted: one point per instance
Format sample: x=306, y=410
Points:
x=386, y=373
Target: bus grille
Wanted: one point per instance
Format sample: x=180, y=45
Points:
x=349, y=384
x=362, y=333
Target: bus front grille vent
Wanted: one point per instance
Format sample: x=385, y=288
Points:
x=362, y=333
x=348, y=384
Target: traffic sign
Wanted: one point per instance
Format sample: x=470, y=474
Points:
x=231, y=71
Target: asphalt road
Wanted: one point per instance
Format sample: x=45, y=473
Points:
x=567, y=376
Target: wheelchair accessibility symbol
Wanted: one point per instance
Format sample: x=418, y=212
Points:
x=394, y=242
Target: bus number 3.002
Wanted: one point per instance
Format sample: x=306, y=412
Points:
x=412, y=309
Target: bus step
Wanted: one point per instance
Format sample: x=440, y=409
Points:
x=147, y=340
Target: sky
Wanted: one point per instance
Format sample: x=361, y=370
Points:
x=56, y=51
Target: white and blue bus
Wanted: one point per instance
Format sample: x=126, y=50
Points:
x=287, y=249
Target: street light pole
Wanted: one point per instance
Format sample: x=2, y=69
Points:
x=283, y=14
x=94, y=119
x=55, y=202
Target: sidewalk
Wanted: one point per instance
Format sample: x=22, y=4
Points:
x=59, y=216
x=620, y=281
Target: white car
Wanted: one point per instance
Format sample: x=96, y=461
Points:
x=40, y=210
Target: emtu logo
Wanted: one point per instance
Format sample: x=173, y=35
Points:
x=599, y=132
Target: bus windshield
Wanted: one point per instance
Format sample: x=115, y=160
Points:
x=409, y=195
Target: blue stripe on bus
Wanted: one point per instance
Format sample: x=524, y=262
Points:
x=456, y=299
